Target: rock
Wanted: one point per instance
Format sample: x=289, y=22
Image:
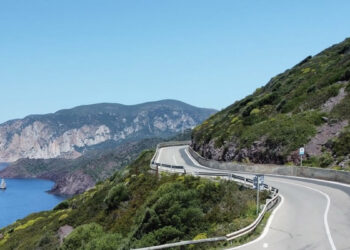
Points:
x=325, y=119
x=257, y=153
x=324, y=134
x=63, y=232
x=333, y=101
x=73, y=183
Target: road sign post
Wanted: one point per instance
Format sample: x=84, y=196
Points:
x=258, y=180
x=257, y=199
x=301, y=153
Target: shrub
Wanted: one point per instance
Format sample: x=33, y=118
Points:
x=81, y=236
x=341, y=146
x=116, y=195
x=62, y=217
x=106, y=242
x=200, y=236
x=47, y=241
x=326, y=159
x=62, y=205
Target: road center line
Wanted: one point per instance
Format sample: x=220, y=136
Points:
x=325, y=216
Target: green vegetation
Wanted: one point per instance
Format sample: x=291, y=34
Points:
x=272, y=123
x=135, y=208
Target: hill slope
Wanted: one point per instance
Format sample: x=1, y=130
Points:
x=308, y=105
x=69, y=133
x=137, y=209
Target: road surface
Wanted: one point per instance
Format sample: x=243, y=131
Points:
x=313, y=214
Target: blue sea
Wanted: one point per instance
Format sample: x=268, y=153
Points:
x=23, y=197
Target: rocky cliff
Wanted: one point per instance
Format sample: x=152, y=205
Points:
x=306, y=106
x=74, y=176
x=69, y=133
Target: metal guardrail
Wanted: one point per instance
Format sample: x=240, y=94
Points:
x=237, y=177
x=251, y=227
x=228, y=237
x=173, y=144
x=183, y=243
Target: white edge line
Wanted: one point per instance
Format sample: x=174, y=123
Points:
x=266, y=229
x=325, y=216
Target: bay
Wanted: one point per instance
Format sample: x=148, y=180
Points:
x=25, y=196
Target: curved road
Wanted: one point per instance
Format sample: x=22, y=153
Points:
x=313, y=214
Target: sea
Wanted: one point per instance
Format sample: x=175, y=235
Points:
x=25, y=196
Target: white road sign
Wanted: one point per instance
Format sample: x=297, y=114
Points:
x=258, y=179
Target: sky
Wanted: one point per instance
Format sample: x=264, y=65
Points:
x=60, y=54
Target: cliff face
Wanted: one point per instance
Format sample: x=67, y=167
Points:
x=306, y=106
x=74, y=176
x=70, y=133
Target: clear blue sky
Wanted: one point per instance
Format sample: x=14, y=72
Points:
x=64, y=53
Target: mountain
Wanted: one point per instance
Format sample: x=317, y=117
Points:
x=74, y=176
x=137, y=208
x=307, y=105
x=72, y=132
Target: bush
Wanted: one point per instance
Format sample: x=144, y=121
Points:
x=81, y=236
x=106, y=242
x=326, y=159
x=62, y=205
x=341, y=146
x=116, y=195
x=47, y=241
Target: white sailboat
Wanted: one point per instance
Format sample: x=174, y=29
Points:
x=3, y=184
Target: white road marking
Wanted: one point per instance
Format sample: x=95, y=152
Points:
x=325, y=216
x=266, y=229
x=265, y=245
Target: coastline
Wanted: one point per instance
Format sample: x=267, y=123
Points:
x=65, y=184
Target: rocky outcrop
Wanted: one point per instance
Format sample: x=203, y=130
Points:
x=258, y=152
x=70, y=133
x=333, y=101
x=73, y=183
x=63, y=232
x=325, y=133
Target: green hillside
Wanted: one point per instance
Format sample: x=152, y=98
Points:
x=307, y=105
x=134, y=208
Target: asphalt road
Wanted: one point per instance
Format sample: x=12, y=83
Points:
x=313, y=214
